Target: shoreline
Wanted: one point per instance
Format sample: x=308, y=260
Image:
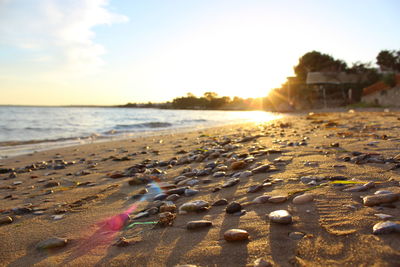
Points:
x=10, y=149
x=84, y=186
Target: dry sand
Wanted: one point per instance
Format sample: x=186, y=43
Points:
x=336, y=224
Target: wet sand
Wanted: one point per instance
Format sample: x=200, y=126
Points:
x=306, y=154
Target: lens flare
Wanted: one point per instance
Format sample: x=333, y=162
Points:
x=108, y=229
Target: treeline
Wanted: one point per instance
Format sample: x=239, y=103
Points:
x=211, y=100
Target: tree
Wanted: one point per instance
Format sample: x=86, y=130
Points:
x=316, y=61
x=389, y=60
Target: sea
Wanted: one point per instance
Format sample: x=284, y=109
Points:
x=27, y=129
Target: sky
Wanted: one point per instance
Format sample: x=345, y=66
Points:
x=99, y=52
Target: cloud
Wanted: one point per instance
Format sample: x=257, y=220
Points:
x=59, y=32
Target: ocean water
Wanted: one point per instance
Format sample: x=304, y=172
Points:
x=28, y=129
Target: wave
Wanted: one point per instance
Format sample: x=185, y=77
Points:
x=198, y=120
x=143, y=125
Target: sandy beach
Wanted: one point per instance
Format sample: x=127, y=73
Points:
x=345, y=165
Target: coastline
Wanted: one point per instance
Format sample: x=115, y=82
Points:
x=335, y=224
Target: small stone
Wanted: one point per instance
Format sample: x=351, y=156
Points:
x=219, y=174
x=220, y=202
x=137, y=181
x=192, y=182
x=296, y=235
x=360, y=188
x=380, y=192
x=254, y=188
x=261, y=199
x=379, y=199
x=197, y=205
x=6, y=220
x=280, y=216
x=238, y=165
x=51, y=243
x=262, y=168
x=262, y=263
x=17, y=182
x=236, y=235
x=383, y=216
x=277, y=199
x=160, y=196
x=245, y=174
x=57, y=217
x=172, y=197
x=179, y=191
x=191, y=192
x=116, y=175
x=198, y=224
x=233, y=207
x=51, y=184
x=231, y=182
x=385, y=228
x=303, y=199
x=21, y=211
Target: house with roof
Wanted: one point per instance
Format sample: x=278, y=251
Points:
x=383, y=94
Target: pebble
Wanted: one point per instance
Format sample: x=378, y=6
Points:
x=161, y=196
x=6, y=220
x=360, y=188
x=380, y=192
x=233, y=207
x=193, y=182
x=196, y=205
x=219, y=174
x=277, y=199
x=262, y=168
x=20, y=211
x=262, y=263
x=231, y=182
x=198, y=224
x=51, y=184
x=261, y=199
x=54, y=242
x=236, y=235
x=17, y=182
x=245, y=174
x=383, y=216
x=220, y=202
x=302, y=199
x=57, y=217
x=254, y=188
x=179, y=191
x=172, y=197
x=191, y=192
x=379, y=199
x=280, y=216
x=386, y=228
x=238, y=165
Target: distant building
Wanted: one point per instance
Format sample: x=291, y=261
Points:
x=333, y=88
x=382, y=94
